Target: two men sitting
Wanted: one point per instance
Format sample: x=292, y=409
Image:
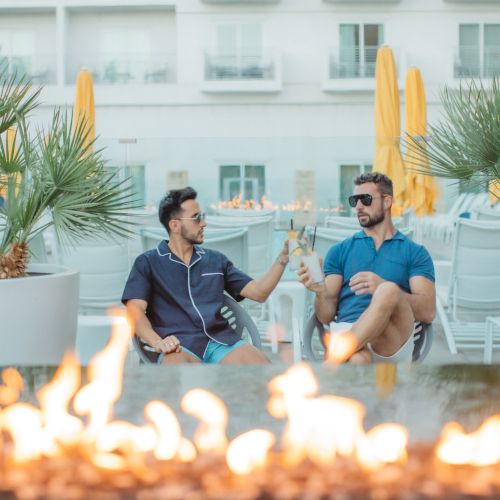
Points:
x=378, y=282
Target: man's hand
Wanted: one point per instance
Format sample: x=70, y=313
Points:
x=365, y=282
x=306, y=279
x=168, y=344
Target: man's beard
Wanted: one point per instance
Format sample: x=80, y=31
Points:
x=372, y=220
x=198, y=240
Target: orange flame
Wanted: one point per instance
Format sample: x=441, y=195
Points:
x=248, y=451
x=477, y=448
x=340, y=346
x=211, y=410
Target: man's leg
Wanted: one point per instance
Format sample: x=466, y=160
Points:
x=176, y=358
x=387, y=322
x=245, y=354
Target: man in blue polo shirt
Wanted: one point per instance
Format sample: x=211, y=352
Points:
x=377, y=283
x=175, y=292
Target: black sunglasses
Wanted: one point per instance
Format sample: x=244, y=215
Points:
x=365, y=198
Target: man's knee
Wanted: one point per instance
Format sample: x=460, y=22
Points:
x=388, y=294
x=245, y=354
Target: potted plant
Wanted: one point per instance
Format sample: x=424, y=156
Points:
x=48, y=177
x=465, y=144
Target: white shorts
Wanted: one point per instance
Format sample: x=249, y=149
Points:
x=403, y=355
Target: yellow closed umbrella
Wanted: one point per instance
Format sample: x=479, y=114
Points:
x=422, y=190
x=494, y=191
x=388, y=158
x=10, y=150
x=84, y=108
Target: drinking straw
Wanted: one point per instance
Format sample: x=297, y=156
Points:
x=314, y=239
x=291, y=224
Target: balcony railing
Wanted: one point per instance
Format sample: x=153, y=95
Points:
x=470, y=63
x=125, y=69
x=353, y=62
x=39, y=68
x=238, y=67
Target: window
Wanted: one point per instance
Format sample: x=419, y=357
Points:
x=245, y=180
x=238, y=53
x=126, y=55
x=348, y=172
x=358, y=47
x=479, y=51
x=17, y=52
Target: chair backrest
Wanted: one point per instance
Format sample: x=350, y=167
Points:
x=488, y=214
x=239, y=320
x=260, y=239
x=103, y=266
x=475, y=274
x=232, y=242
x=238, y=212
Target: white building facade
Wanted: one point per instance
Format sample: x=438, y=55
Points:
x=269, y=97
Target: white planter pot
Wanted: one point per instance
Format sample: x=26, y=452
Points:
x=38, y=316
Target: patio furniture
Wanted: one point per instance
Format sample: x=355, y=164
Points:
x=260, y=239
x=232, y=242
x=287, y=305
x=239, y=320
x=473, y=293
x=490, y=214
x=315, y=331
x=104, y=268
x=492, y=324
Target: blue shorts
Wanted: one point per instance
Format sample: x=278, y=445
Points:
x=213, y=353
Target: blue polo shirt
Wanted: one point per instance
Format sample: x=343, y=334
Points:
x=185, y=301
x=398, y=259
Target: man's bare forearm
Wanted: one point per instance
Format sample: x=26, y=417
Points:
x=143, y=328
x=423, y=306
x=325, y=306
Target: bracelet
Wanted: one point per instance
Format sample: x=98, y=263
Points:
x=280, y=262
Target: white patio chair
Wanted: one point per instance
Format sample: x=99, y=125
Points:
x=232, y=242
x=474, y=286
x=490, y=214
x=260, y=239
x=104, y=268
x=237, y=212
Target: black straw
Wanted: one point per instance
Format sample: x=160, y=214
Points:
x=291, y=224
x=314, y=239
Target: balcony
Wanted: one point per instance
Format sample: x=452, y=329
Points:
x=125, y=69
x=241, y=73
x=352, y=69
x=39, y=68
x=471, y=62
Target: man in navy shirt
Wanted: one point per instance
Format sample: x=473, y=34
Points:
x=175, y=292
x=377, y=283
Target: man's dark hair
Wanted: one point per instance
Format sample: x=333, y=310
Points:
x=383, y=182
x=170, y=205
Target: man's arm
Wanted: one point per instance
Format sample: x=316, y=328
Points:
x=259, y=290
x=327, y=293
x=136, y=308
x=422, y=299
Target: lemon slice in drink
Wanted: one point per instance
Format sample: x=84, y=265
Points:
x=297, y=252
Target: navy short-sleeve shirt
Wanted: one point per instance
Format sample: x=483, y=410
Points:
x=398, y=259
x=185, y=301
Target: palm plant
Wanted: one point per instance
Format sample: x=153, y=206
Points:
x=465, y=144
x=51, y=177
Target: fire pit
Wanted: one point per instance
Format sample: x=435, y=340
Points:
x=247, y=432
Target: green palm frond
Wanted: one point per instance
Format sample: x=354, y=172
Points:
x=16, y=99
x=57, y=172
x=465, y=144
